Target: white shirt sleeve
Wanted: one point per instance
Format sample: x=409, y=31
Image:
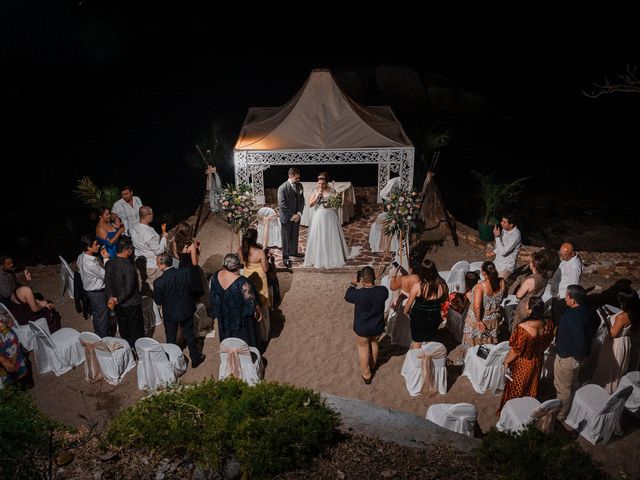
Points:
x=507, y=243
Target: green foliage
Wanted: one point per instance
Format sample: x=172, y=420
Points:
x=496, y=196
x=535, y=455
x=270, y=428
x=25, y=433
x=95, y=196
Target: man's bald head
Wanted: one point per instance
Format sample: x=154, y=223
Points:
x=146, y=214
x=566, y=251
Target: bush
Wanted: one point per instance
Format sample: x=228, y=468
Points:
x=270, y=428
x=533, y=454
x=25, y=434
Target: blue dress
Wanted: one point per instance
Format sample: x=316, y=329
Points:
x=111, y=249
x=235, y=308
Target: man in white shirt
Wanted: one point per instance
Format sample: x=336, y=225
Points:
x=508, y=242
x=127, y=208
x=568, y=272
x=92, y=275
x=148, y=245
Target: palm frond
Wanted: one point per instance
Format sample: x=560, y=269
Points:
x=94, y=196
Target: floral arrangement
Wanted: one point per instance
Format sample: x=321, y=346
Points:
x=401, y=209
x=239, y=206
x=334, y=201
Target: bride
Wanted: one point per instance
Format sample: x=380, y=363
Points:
x=326, y=247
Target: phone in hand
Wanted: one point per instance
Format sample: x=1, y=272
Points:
x=400, y=268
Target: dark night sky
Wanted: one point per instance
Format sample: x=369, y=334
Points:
x=121, y=96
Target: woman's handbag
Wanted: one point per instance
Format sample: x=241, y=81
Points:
x=483, y=351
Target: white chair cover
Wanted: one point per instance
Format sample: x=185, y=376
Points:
x=269, y=229
x=25, y=335
x=113, y=355
x=632, y=379
x=58, y=352
x=595, y=414
x=455, y=277
x=377, y=238
x=66, y=276
x=486, y=373
x=150, y=314
x=457, y=417
x=159, y=364
x=431, y=358
x=549, y=359
x=518, y=413
x=240, y=360
x=475, y=266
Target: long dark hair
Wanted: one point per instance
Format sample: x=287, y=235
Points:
x=249, y=239
x=630, y=303
x=184, y=236
x=429, y=277
x=492, y=275
x=536, y=305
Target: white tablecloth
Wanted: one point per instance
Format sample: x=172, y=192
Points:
x=348, y=201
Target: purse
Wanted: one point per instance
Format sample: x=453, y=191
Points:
x=483, y=351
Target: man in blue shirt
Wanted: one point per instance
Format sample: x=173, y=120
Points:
x=574, y=333
x=368, y=318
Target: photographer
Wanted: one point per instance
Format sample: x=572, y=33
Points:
x=368, y=318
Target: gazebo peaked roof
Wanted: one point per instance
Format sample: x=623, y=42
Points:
x=321, y=116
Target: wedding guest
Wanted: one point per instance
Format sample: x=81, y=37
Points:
x=8, y=280
x=568, y=273
x=173, y=290
x=459, y=301
x=615, y=353
x=424, y=303
x=368, y=318
x=127, y=208
x=532, y=286
x=398, y=324
x=484, y=315
x=108, y=233
x=234, y=303
x=28, y=306
x=15, y=368
x=574, y=334
x=121, y=282
x=529, y=340
x=507, y=246
x=148, y=244
x=255, y=269
x=187, y=250
x=92, y=274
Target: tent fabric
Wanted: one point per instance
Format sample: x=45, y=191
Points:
x=321, y=117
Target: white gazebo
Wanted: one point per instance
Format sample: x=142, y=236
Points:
x=321, y=125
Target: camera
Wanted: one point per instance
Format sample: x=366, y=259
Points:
x=359, y=275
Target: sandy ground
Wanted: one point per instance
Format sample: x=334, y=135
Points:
x=312, y=345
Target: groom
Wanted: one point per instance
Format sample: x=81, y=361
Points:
x=291, y=202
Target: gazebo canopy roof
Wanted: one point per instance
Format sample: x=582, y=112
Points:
x=321, y=117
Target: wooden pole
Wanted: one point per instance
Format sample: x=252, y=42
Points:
x=204, y=195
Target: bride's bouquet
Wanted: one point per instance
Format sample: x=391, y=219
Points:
x=401, y=210
x=239, y=205
x=334, y=201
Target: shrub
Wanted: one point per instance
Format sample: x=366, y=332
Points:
x=270, y=428
x=25, y=434
x=533, y=454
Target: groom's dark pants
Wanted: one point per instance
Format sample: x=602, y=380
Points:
x=289, y=238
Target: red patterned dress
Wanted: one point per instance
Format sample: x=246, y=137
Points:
x=525, y=368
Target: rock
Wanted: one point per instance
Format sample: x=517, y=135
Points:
x=199, y=474
x=164, y=468
x=159, y=476
x=97, y=475
x=341, y=475
x=388, y=473
x=145, y=460
x=105, y=457
x=232, y=469
x=65, y=458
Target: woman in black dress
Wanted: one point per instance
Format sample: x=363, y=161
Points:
x=423, y=305
x=187, y=250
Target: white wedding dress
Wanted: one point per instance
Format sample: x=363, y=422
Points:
x=326, y=247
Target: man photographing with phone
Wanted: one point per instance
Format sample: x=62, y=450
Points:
x=368, y=318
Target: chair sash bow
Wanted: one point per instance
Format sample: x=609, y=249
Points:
x=266, y=219
x=94, y=372
x=426, y=364
x=234, y=368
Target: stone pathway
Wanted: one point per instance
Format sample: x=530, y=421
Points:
x=356, y=233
